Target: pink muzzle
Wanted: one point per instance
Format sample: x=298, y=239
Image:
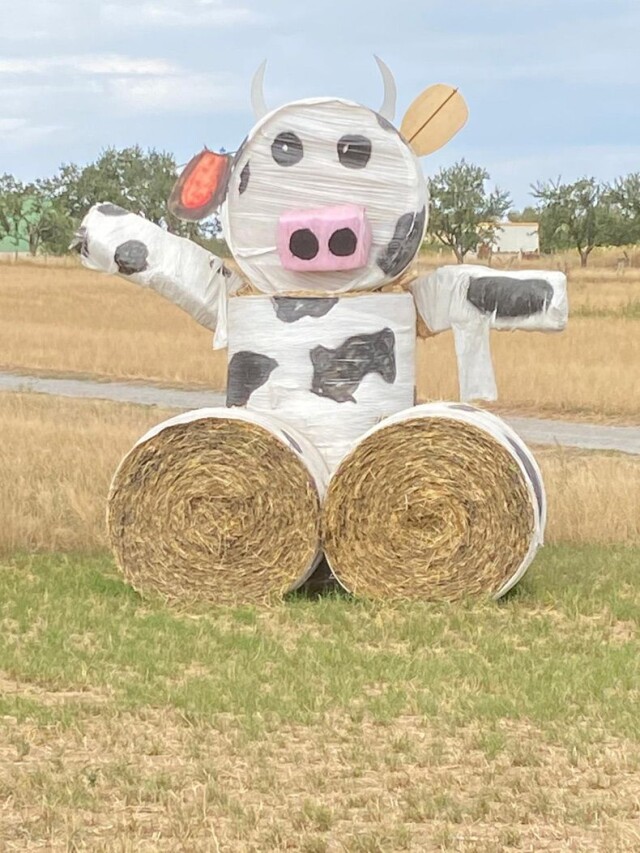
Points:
x=325, y=239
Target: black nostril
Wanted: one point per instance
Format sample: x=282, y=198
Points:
x=303, y=243
x=343, y=242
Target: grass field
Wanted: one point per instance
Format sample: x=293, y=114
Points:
x=318, y=726
x=61, y=318
x=328, y=725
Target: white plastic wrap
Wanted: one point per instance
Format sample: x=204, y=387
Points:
x=114, y=241
x=313, y=155
x=285, y=433
x=331, y=367
x=471, y=300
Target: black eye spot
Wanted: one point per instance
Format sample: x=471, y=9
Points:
x=286, y=149
x=354, y=151
x=343, y=242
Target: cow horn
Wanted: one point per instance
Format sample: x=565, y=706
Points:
x=388, y=108
x=258, y=102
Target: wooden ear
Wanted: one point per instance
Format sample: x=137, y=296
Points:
x=201, y=187
x=435, y=116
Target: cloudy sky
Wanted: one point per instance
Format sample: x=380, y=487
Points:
x=553, y=86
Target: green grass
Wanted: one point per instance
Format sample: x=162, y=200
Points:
x=553, y=653
x=325, y=725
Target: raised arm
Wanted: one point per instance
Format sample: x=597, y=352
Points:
x=472, y=300
x=114, y=241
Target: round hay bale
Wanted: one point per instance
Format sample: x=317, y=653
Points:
x=439, y=502
x=218, y=505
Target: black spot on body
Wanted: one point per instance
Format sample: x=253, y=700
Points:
x=509, y=297
x=131, y=257
x=286, y=149
x=531, y=472
x=292, y=442
x=226, y=272
x=303, y=244
x=109, y=209
x=247, y=372
x=354, y=151
x=404, y=244
x=338, y=372
x=292, y=308
x=245, y=174
x=343, y=243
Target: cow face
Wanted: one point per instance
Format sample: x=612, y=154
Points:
x=316, y=197
x=324, y=195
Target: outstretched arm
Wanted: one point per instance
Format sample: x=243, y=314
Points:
x=472, y=300
x=114, y=241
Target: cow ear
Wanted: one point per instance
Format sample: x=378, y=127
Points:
x=435, y=116
x=201, y=187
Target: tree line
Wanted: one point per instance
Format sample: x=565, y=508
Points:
x=44, y=214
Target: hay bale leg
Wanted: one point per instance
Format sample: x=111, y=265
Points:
x=218, y=505
x=439, y=502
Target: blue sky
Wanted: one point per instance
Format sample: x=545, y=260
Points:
x=553, y=86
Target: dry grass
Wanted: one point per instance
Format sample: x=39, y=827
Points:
x=57, y=457
x=62, y=318
x=148, y=782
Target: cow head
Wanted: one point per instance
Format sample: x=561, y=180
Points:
x=324, y=195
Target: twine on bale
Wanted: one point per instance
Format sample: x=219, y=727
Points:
x=428, y=508
x=216, y=509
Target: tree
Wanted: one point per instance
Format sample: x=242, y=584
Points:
x=527, y=214
x=463, y=214
x=625, y=194
x=581, y=215
x=29, y=214
x=137, y=180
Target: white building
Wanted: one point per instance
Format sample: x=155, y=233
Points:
x=516, y=237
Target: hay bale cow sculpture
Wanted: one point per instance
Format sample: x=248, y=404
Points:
x=324, y=207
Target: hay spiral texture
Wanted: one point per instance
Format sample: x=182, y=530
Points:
x=439, y=502
x=218, y=506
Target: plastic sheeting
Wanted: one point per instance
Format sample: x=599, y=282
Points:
x=331, y=367
x=471, y=300
x=114, y=241
x=313, y=155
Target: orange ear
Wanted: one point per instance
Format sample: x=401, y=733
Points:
x=201, y=187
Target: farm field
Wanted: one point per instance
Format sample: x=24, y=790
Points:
x=321, y=726
x=318, y=726
x=62, y=319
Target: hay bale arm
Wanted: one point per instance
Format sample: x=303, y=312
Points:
x=112, y=240
x=472, y=300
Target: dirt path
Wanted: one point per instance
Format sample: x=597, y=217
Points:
x=533, y=430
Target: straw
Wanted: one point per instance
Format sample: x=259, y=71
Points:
x=428, y=508
x=216, y=509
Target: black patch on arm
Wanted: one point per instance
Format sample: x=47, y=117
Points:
x=247, y=372
x=404, y=243
x=292, y=441
x=131, y=257
x=109, y=209
x=509, y=297
x=338, y=372
x=291, y=308
x=245, y=174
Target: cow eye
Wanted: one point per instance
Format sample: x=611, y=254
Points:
x=354, y=151
x=286, y=149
